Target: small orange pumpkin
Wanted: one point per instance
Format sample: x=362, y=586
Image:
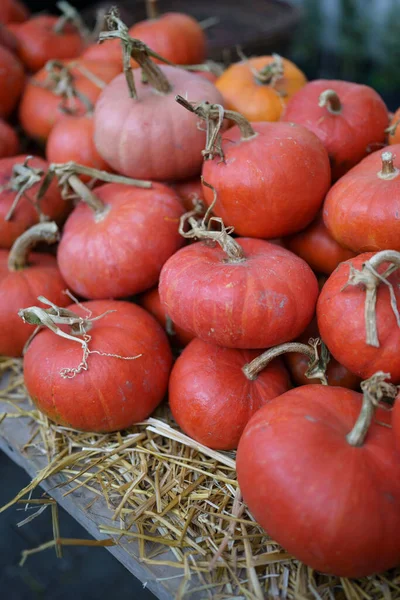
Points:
x=260, y=87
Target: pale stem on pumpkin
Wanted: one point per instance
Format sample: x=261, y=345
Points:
x=317, y=365
x=201, y=230
x=375, y=389
x=213, y=114
x=137, y=50
x=369, y=277
x=61, y=81
x=19, y=253
x=270, y=73
x=70, y=15
x=331, y=101
x=86, y=195
x=208, y=67
x=73, y=167
x=23, y=177
x=79, y=326
x=388, y=171
x=152, y=9
x=391, y=130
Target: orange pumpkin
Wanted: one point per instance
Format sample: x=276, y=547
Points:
x=394, y=129
x=259, y=88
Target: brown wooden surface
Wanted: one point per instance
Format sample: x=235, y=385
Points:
x=14, y=433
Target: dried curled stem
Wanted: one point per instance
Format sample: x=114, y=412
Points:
x=22, y=179
x=369, y=277
x=200, y=229
x=318, y=361
x=42, y=232
x=70, y=15
x=375, y=389
x=60, y=81
x=78, y=330
x=388, y=170
x=214, y=115
x=268, y=75
x=137, y=50
x=331, y=101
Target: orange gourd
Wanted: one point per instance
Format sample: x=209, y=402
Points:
x=259, y=88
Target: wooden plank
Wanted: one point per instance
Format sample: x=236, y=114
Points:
x=14, y=434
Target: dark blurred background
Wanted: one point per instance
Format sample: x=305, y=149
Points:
x=341, y=39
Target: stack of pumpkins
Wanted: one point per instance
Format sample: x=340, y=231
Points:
x=300, y=172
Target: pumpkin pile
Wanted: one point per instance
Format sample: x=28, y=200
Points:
x=231, y=241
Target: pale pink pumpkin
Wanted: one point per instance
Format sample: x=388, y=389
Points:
x=152, y=137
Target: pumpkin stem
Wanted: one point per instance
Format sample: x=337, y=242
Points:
x=374, y=389
x=152, y=9
x=61, y=82
x=70, y=15
x=316, y=366
x=391, y=130
x=23, y=178
x=369, y=277
x=331, y=101
x=137, y=50
x=271, y=73
x=79, y=326
x=214, y=114
x=66, y=174
x=19, y=253
x=388, y=171
x=201, y=229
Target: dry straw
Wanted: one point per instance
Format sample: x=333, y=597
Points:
x=172, y=495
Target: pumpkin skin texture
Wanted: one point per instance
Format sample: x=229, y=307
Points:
x=314, y=492
x=317, y=247
x=336, y=374
x=12, y=80
x=267, y=299
x=9, y=142
x=151, y=302
x=40, y=107
x=25, y=215
x=116, y=255
x=152, y=138
x=258, y=183
x=19, y=289
x=394, y=138
x=210, y=397
x=348, y=136
x=112, y=394
x=341, y=323
x=256, y=101
x=13, y=11
x=362, y=210
x=38, y=42
x=71, y=139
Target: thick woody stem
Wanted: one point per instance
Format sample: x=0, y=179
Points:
x=388, y=171
x=137, y=50
x=331, y=101
x=369, y=277
x=152, y=9
x=374, y=389
x=19, y=253
x=86, y=195
x=61, y=81
x=73, y=167
x=271, y=73
x=316, y=366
